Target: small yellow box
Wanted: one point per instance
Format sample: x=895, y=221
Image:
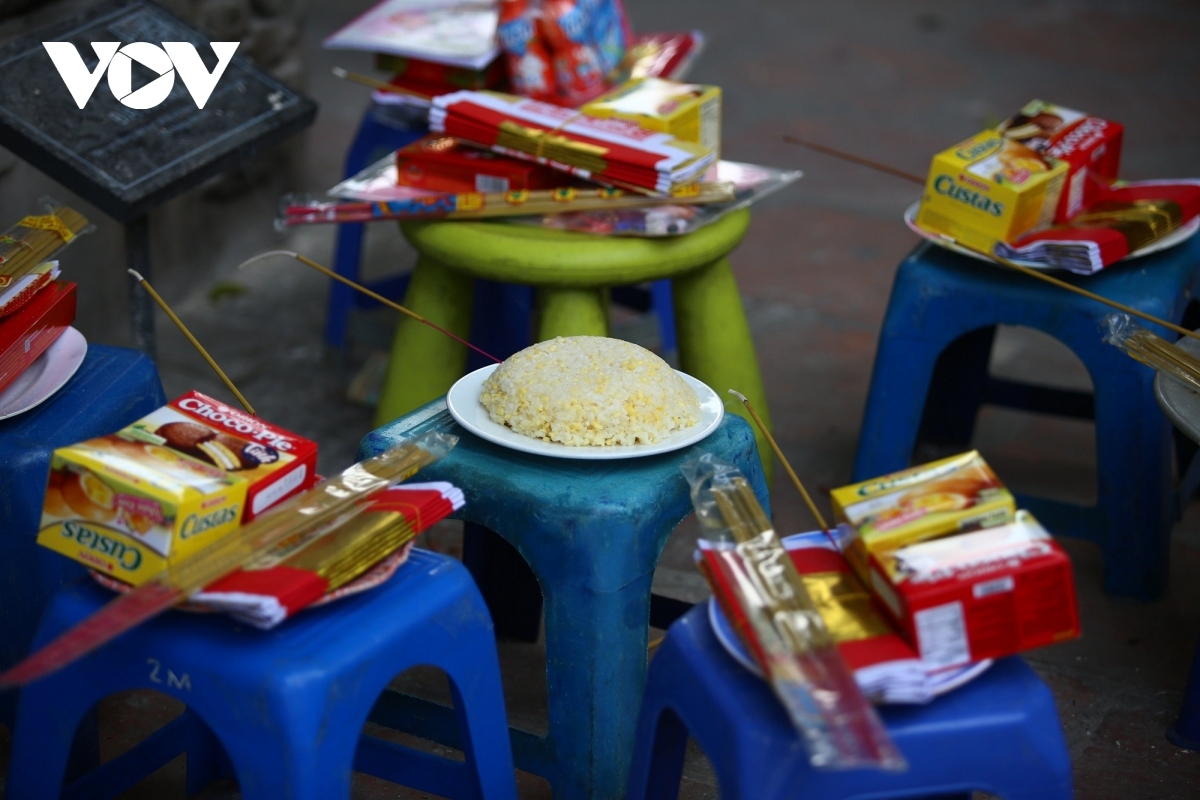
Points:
x=127, y=507
x=990, y=189
x=688, y=111
x=954, y=494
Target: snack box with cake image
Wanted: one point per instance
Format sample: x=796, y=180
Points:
x=1090, y=146
x=952, y=495
x=990, y=189
x=130, y=503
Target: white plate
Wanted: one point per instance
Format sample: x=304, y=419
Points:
x=45, y=376
x=463, y=403
x=1177, y=236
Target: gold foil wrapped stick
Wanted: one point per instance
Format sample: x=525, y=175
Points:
x=315, y=513
x=1141, y=222
x=784, y=629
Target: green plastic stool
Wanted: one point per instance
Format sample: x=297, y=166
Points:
x=572, y=273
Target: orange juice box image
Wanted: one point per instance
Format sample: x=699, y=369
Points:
x=952, y=495
x=990, y=189
x=128, y=505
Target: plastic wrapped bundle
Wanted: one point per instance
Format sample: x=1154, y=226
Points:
x=783, y=628
x=1153, y=351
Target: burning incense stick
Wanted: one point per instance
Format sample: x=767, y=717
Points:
x=808, y=501
x=145, y=284
x=360, y=288
x=377, y=84
x=1033, y=273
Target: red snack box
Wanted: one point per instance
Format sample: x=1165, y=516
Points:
x=985, y=594
x=565, y=25
x=1091, y=146
x=278, y=463
x=443, y=164
x=26, y=333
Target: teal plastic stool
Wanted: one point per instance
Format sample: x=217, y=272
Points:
x=573, y=274
x=592, y=532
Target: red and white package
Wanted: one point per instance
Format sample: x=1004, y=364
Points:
x=1120, y=221
x=295, y=575
x=886, y=667
x=27, y=332
x=1091, y=146
x=605, y=150
x=985, y=594
x=276, y=462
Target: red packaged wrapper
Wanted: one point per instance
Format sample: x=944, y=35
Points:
x=986, y=594
x=1119, y=222
x=529, y=69
x=443, y=164
x=1091, y=146
x=578, y=73
x=277, y=462
x=26, y=333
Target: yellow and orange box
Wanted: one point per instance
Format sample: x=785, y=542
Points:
x=690, y=112
x=990, y=189
x=131, y=503
x=955, y=494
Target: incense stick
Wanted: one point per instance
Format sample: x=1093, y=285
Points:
x=863, y=162
x=375, y=83
x=145, y=284
x=373, y=295
x=808, y=501
x=1033, y=273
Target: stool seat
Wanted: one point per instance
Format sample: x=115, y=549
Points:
x=572, y=273
x=931, y=377
x=1000, y=734
x=592, y=532
x=112, y=388
x=547, y=257
x=287, y=705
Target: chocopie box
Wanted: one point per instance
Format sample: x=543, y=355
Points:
x=1090, y=146
x=131, y=503
x=985, y=594
x=277, y=463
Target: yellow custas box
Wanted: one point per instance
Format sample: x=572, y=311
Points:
x=990, y=189
x=955, y=494
x=127, y=507
x=688, y=111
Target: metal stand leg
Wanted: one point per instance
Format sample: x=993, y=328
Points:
x=141, y=307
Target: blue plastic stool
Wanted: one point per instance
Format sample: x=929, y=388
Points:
x=287, y=705
x=382, y=130
x=999, y=734
x=112, y=388
x=930, y=379
x=592, y=531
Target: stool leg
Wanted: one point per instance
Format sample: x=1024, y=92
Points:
x=572, y=312
x=46, y=726
x=595, y=674
x=1186, y=730
x=899, y=385
x=658, y=769
x=715, y=343
x=425, y=363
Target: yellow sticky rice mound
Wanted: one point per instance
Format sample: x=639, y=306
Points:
x=589, y=390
